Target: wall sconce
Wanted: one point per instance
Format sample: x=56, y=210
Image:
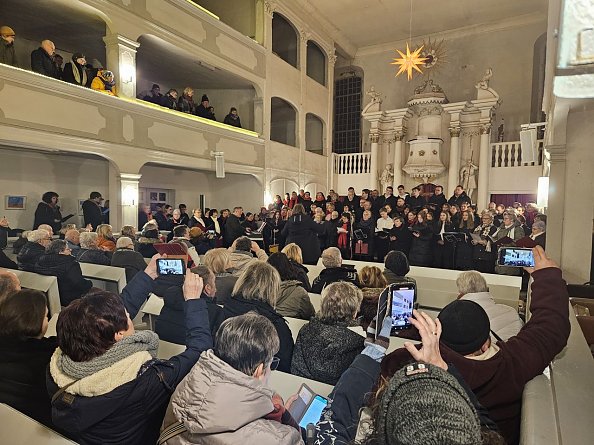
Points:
x=542, y=198
x=129, y=196
x=127, y=68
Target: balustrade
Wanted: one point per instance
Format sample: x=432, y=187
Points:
x=509, y=154
x=352, y=163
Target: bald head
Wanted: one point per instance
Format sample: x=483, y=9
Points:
x=48, y=46
x=73, y=236
x=9, y=284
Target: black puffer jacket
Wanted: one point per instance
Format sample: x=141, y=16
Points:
x=28, y=256
x=332, y=275
x=93, y=256
x=71, y=283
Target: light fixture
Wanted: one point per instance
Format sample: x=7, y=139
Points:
x=127, y=68
x=542, y=198
x=411, y=60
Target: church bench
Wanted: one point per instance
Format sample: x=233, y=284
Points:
x=44, y=283
x=316, y=300
x=295, y=325
x=152, y=308
x=110, y=278
x=286, y=384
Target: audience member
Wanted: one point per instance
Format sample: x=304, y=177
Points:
x=202, y=110
x=293, y=300
x=509, y=231
x=9, y=284
x=20, y=242
x=219, y=262
x=72, y=238
x=144, y=215
x=104, y=82
x=126, y=257
x=396, y=268
x=5, y=262
x=92, y=210
x=257, y=290
x=186, y=104
x=185, y=218
x=89, y=251
x=148, y=237
x=538, y=233
x=75, y=71
x=163, y=218
x=303, y=231
x=42, y=61
x=170, y=100
x=25, y=354
x=372, y=277
x=233, y=118
x=326, y=347
x=334, y=271
x=105, y=239
x=129, y=231
x=241, y=254
x=197, y=220
x=48, y=212
x=154, y=95
x=293, y=252
x=7, y=53
x=37, y=241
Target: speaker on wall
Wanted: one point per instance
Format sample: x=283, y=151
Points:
x=219, y=163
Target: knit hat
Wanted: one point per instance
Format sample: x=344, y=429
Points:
x=155, y=86
x=77, y=56
x=425, y=404
x=397, y=263
x=204, y=98
x=465, y=326
x=7, y=31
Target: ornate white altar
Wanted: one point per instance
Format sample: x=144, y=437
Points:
x=432, y=140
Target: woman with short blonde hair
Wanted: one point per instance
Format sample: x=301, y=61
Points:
x=293, y=252
x=372, y=276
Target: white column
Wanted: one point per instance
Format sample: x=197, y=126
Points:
x=129, y=198
x=374, y=138
x=120, y=53
x=556, y=209
x=483, y=171
x=454, y=167
x=397, y=167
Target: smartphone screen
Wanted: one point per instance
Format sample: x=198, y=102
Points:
x=314, y=411
x=403, y=302
x=299, y=406
x=515, y=257
x=170, y=266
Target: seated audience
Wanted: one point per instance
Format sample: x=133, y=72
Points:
x=129, y=231
x=219, y=262
x=125, y=256
x=326, y=347
x=75, y=71
x=25, y=354
x=89, y=252
x=72, y=238
x=199, y=240
x=5, y=262
x=163, y=217
x=334, y=271
x=104, y=82
x=37, y=241
x=197, y=221
x=293, y=252
x=9, y=284
x=42, y=60
x=232, y=118
x=107, y=385
x=293, y=300
x=396, y=268
x=105, y=241
x=241, y=254
x=181, y=234
x=504, y=320
x=148, y=237
x=257, y=290
x=154, y=95
x=498, y=371
x=144, y=215
x=538, y=233
x=225, y=398
x=58, y=261
x=7, y=53
x=20, y=242
x=170, y=100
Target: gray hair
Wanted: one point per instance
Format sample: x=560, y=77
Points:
x=243, y=244
x=37, y=235
x=46, y=227
x=331, y=257
x=246, y=341
x=470, y=282
x=56, y=246
x=340, y=302
x=540, y=225
x=124, y=242
x=259, y=281
x=218, y=260
x=88, y=240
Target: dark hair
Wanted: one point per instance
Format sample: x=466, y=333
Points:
x=182, y=206
x=400, y=186
x=232, y=109
x=281, y=263
x=47, y=197
x=397, y=263
x=167, y=206
x=21, y=314
x=56, y=246
x=87, y=326
x=416, y=188
x=244, y=244
x=179, y=231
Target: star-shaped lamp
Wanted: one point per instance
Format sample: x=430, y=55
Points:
x=409, y=61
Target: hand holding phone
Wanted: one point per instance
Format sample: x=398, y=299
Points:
x=171, y=266
x=307, y=407
x=515, y=257
x=193, y=286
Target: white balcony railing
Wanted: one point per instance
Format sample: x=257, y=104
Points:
x=509, y=154
x=352, y=164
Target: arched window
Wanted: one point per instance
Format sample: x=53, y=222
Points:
x=283, y=122
x=284, y=39
x=314, y=133
x=347, y=112
x=316, y=63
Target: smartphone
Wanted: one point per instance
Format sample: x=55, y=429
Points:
x=171, y=266
x=308, y=407
x=515, y=257
x=402, y=299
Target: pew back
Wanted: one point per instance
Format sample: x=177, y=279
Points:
x=110, y=278
x=19, y=429
x=46, y=284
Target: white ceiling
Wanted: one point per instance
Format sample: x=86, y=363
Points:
x=371, y=22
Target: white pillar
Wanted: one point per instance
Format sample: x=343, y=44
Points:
x=397, y=167
x=129, y=198
x=483, y=171
x=120, y=53
x=374, y=138
x=454, y=167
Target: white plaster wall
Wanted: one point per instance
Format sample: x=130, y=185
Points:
x=523, y=180
x=31, y=174
x=240, y=15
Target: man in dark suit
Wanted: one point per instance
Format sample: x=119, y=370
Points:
x=42, y=60
x=92, y=210
x=233, y=227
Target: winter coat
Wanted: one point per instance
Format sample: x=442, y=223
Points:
x=403, y=239
x=93, y=256
x=301, y=272
x=22, y=376
x=186, y=104
x=457, y=200
x=302, y=230
x=225, y=283
x=437, y=201
x=232, y=120
x=163, y=221
x=233, y=230
x=132, y=412
x=7, y=54
x=504, y=320
x=415, y=203
x=332, y=275
x=170, y=324
x=92, y=214
x=144, y=246
x=106, y=243
x=238, y=305
x=132, y=261
x=75, y=73
x=169, y=102
x=98, y=84
x=220, y=405
x=203, y=111
x=324, y=350
x=7, y=263
x=240, y=260
x=28, y=256
x=42, y=63
x=71, y=283
x=293, y=301
x=421, y=253
x=46, y=214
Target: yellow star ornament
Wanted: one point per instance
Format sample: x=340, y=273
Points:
x=409, y=61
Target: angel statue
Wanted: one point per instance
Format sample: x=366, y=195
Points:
x=387, y=177
x=484, y=82
x=468, y=177
x=375, y=95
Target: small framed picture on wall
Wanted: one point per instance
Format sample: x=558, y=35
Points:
x=12, y=202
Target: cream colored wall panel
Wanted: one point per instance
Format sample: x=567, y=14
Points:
x=128, y=128
x=49, y=110
x=163, y=12
x=283, y=157
x=234, y=50
x=316, y=99
x=285, y=80
x=514, y=179
x=241, y=152
x=178, y=139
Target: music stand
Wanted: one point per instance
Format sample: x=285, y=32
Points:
x=454, y=238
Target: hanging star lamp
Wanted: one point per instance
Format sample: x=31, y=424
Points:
x=411, y=60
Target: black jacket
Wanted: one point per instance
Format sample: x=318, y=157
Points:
x=145, y=246
x=28, y=256
x=301, y=271
x=169, y=102
x=415, y=203
x=7, y=263
x=7, y=54
x=92, y=214
x=238, y=305
x=132, y=413
x=202, y=111
x=233, y=230
x=403, y=239
x=302, y=230
x=46, y=214
x=185, y=105
x=71, y=283
x=233, y=121
x=457, y=200
x=80, y=78
x=93, y=256
x=421, y=253
x=332, y=275
x=42, y=63
x=22, y=376
x=132, y=261
x=438, y=201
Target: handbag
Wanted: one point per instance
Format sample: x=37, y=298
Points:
x=361, y=248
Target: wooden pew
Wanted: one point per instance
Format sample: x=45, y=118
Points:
x=287, y=385
x=295, y=325
x=19, y=429
x=44, y=283
x=152, y=308
x=316, y=300
x=110, y=278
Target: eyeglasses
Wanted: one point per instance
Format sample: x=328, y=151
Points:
x=274, y=363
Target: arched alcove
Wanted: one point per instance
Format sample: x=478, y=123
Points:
x=285, y=40
x=283, y=122
x=316, y=62
x=314, y=133
x=282, y=186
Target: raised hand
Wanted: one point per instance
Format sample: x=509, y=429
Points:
x=430, y=331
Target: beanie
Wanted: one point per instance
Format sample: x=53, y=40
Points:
x=6, y=31
x=397, y=263
x=424, y=404
x=204, y=98
x=465, y=326
x=77, y=56
x=155, y=86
